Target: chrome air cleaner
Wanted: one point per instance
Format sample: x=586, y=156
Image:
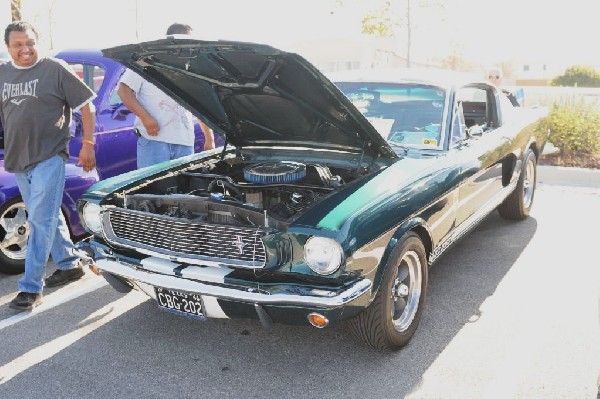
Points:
x=275, y=172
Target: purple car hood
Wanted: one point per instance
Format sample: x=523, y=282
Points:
x=255, y=95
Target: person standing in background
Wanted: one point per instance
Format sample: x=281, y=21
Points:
x=39, y=95
x=495, y=76
x=165, y=129
x=516, y=97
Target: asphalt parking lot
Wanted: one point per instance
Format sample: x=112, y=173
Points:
x=512, y=312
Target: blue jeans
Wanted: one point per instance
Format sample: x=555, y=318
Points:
x=151, y=152
x=42, y=190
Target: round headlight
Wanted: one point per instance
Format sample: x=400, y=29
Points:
x=323, y=255
x=92, y=217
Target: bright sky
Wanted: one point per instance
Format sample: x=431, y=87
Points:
x=488, y=31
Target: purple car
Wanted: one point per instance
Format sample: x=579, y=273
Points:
x=115, y=154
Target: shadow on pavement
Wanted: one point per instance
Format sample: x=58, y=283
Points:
x=149, y=353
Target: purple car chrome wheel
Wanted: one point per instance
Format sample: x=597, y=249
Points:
x=14, y=231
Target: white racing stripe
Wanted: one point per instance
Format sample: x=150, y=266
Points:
x=87, y=284
x=96, y=320
x=159, y=265
x=209, y=274
x=203, y=273
x=212, y=308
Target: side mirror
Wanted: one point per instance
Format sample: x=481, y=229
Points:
x=475, y=131
x=120, y=113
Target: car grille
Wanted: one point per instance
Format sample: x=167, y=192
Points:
x=183, y=237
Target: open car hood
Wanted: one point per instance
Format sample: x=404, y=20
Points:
x=256, y=95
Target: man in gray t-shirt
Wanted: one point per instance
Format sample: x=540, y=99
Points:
x=38, y=96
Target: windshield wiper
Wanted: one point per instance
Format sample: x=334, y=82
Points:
x=399, y=145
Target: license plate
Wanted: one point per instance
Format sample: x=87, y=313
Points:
x=180, y=303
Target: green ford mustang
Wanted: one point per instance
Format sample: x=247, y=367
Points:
x=328, y=201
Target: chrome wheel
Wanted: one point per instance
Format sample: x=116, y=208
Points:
x=518, y=204
x=391, y=320
x=406, y=291
x=16, y=231
x=529, y=182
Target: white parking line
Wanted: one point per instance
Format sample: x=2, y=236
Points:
x=7, y=298
x=46, y=351
x=87, y=284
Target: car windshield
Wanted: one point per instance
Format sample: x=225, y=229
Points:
x=404, y=114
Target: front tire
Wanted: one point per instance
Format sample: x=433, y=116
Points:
x=391, y=320
x=14, y=233
x=518, y=204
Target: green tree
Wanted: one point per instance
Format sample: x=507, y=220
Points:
x=386, y=17
x=383, y=21
x=578, y=76
x=457, y=62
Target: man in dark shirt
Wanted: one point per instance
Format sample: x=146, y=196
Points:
x=38, y=96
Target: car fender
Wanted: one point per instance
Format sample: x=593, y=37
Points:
x=415, y=224
x=8, y=185
x=77, y=181
x=512, y=165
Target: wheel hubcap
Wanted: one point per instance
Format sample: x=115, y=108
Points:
x=406, y=291
x=402, y=291
x=529, y=183
x=16, y=228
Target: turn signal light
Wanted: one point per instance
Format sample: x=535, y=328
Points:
x=318, y=320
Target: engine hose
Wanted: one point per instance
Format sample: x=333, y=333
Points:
x=226, y=185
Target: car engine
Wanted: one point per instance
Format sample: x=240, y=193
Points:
x=268, y=194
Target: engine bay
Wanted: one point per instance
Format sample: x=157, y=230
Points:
x=232, y=192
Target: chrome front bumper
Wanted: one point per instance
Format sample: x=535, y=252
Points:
x=161, y=276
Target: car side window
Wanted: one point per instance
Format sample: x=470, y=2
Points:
x=92, y=75
x=479, y=107
x=114, y=99
x=459, y=128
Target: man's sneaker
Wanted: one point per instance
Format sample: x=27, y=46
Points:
x=60, y=277
x=26, y=301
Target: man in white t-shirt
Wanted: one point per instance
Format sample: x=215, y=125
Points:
x=166, y=129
